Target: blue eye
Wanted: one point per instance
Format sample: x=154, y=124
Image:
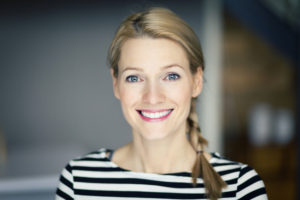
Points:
x=172, y=77
x=132, y=78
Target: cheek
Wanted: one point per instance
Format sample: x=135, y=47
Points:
x=180, y=97
x=181, y=93
x=128, y=96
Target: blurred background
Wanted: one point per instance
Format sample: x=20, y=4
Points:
x=57, y=102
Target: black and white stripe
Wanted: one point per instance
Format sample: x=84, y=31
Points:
x=95, y=177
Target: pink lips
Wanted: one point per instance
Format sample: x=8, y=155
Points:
x=155, y=119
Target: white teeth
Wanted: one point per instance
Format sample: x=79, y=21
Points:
x=156, y=114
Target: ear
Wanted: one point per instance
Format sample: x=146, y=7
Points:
x=115, y=84
x=198, y=82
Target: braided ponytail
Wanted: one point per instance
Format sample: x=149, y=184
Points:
x=202, y=168
x=163, y=23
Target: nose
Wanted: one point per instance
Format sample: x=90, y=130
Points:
x=153, y=93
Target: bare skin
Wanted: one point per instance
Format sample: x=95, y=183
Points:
x=155, y=77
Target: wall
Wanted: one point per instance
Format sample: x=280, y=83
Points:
x=56, y=93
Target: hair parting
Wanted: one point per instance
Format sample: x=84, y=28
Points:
x=136, y=23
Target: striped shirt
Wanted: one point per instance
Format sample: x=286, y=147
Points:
x=95, y=176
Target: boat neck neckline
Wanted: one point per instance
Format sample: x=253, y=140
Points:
x=109, y=154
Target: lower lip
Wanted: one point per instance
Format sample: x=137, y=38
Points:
x=155, y=119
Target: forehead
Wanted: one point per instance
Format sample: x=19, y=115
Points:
x=149, y=52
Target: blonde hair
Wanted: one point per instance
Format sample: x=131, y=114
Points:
x=163, y=23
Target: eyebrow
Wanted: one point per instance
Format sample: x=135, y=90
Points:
x=139, y=69
x=131, y=68
x=173, y=65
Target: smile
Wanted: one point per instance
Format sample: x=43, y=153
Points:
x=154, y=115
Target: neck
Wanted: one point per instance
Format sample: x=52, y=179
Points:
x=166, y=155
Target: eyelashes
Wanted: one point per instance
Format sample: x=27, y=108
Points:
x=136, y=78
x=172, y=76
x=132, y=79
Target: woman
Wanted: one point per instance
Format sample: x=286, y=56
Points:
x=156, y=65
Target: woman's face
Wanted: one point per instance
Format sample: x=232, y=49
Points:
x=155, y=87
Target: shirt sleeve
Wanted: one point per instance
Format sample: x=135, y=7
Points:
x=250, y=185
x=65, y=190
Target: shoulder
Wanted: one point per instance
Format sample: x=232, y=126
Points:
x=83, y=166
x=225, y=166
x=221, y=163
x=95, y=161
x=241, y=171
x=242, y=177
x=97, y=156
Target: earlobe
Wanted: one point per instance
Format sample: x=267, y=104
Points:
x=115, y=82
x=198, y=82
